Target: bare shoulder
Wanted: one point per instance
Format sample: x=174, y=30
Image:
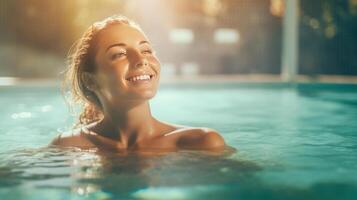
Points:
x=198, y=138
x=212, y=138
x=184, y=137
x=73, y=138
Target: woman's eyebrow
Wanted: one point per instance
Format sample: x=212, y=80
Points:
x=144, y=42
x=122, y=44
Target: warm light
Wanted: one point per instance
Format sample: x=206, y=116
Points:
x=353, y=6
x=277, y=7
x=212, y=7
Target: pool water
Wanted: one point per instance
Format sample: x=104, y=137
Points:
x=294, y=142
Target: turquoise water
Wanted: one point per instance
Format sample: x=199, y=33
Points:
x=293, y=141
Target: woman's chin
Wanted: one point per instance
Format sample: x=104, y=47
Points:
x=143, y=95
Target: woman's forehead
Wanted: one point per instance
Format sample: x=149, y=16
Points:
x=120, y=33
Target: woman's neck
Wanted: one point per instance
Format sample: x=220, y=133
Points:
x=128, y=124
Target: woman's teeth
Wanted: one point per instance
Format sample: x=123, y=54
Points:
x=141, y=77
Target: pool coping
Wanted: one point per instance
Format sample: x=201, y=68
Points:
x=249, y=78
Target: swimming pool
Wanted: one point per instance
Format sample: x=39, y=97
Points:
x=294, y=142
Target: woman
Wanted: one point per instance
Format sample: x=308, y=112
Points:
x=113, y=73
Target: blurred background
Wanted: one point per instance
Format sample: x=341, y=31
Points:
x=192, y=37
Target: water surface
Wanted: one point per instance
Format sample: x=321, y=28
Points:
x=293, y=141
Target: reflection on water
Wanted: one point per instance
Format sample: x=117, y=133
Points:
x=93, y=174
x=112, y=174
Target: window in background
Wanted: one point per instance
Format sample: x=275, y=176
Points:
x=190, y=69
x=185, y=36
x=168, y=70
x=226, y=35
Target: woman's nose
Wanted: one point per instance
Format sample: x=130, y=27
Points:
x=140, y=60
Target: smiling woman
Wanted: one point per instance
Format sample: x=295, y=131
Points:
x=113, y=73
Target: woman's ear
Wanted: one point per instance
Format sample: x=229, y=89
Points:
x=89, y=81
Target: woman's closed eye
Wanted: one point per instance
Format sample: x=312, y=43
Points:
x=118, y=55
x=123, y=53
x=147, y=51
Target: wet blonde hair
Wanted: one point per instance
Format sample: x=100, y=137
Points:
x=82, y=59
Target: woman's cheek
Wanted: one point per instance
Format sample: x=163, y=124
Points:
x=156, y=63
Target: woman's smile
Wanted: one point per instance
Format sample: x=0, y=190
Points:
x=140, y=78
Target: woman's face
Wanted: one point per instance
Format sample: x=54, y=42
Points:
x=126, y=65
